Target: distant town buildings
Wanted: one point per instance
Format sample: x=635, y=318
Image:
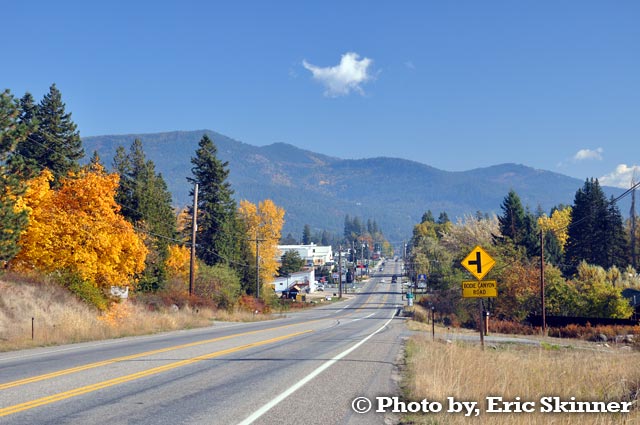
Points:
x=313, y=255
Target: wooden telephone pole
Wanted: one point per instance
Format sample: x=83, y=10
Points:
x=257, y=241
x=194, y=229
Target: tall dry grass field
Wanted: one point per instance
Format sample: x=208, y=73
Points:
x=60, y=318
x=437, y=370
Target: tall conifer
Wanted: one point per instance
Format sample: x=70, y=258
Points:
x=596, y=233
x=11, y=221
x=54, y=142
x=219, y=238
x=146, y=202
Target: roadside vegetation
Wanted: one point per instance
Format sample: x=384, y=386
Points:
x=39, y=312
x=439, y=369
x=589, y=254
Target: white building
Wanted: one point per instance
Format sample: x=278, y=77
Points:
x=313, y=255
x=303, y=280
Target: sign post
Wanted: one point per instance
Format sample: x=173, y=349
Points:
x=479, y=263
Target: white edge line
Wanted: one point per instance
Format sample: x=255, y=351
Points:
x=264, y=409
x=365, y=317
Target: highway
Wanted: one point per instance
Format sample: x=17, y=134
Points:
x=304, y=368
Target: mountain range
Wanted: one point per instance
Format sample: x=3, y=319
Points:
x=321, y=190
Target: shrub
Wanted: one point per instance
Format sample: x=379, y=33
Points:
x=83, y=289
x=511, y=327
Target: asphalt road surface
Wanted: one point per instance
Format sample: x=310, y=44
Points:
x=305, y=368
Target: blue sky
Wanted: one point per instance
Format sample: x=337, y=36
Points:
x=453, y=84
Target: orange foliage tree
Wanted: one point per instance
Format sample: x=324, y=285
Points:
x=264, y=222
x=78, y=228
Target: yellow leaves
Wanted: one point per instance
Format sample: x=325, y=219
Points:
x=178, y=262
x=264, y=222
x=78, y=228
x=558, y=223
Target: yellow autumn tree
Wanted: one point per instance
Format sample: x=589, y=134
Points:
x=264, y=223
x=78, y=228
x=558, y=223
x=178, y=262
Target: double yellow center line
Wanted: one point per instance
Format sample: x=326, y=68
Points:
x=131, y=377
x=131, y=357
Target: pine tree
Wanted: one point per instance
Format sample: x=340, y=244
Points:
x=616, y=243
x=428, y=217
x=146, y=203
x=512, y=218
x=519, y=225
x=552, y=249
x=596, y=232
x=291, y=262
x=12, y=222
x=443, y=218
x=95, y=161
x=306, y=235
x=219, y=236
x=55, y=142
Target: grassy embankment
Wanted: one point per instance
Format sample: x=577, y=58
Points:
x=439, y=369
x=60, y=318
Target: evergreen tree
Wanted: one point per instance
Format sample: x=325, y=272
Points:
x=375, y=228
x=443, y=218
x=347, y=228
x=11, y=222
x=357, y=227
x=55, y=143
x=219, y=236
x=518, y=225
x=291, y=262
x=306, y=235
x=95, y=161
x=325, y=239
x=616, y=242
x=428, y=217
x=596, y=232
x=146, y=202
x=513, y=217
x=552, y=249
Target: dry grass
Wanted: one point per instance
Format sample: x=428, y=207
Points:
x=60, y=318
x=437, y=370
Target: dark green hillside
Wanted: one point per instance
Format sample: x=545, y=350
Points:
x=320, y=190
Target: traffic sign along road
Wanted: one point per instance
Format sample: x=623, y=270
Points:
x=479, y=289
x=478, y=262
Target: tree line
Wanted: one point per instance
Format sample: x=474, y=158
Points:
x=586, y=246
x=89, y=228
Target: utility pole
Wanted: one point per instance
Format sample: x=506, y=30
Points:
x=542, y=300
x=340, y=271
x=194, y=228
x=257, y=241
x=633, y=223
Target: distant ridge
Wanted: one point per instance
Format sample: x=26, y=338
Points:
x=320, y=190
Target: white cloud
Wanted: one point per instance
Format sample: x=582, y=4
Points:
x=583, y=154
x=622, y=176
x=342, y=79
x=410, y=65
